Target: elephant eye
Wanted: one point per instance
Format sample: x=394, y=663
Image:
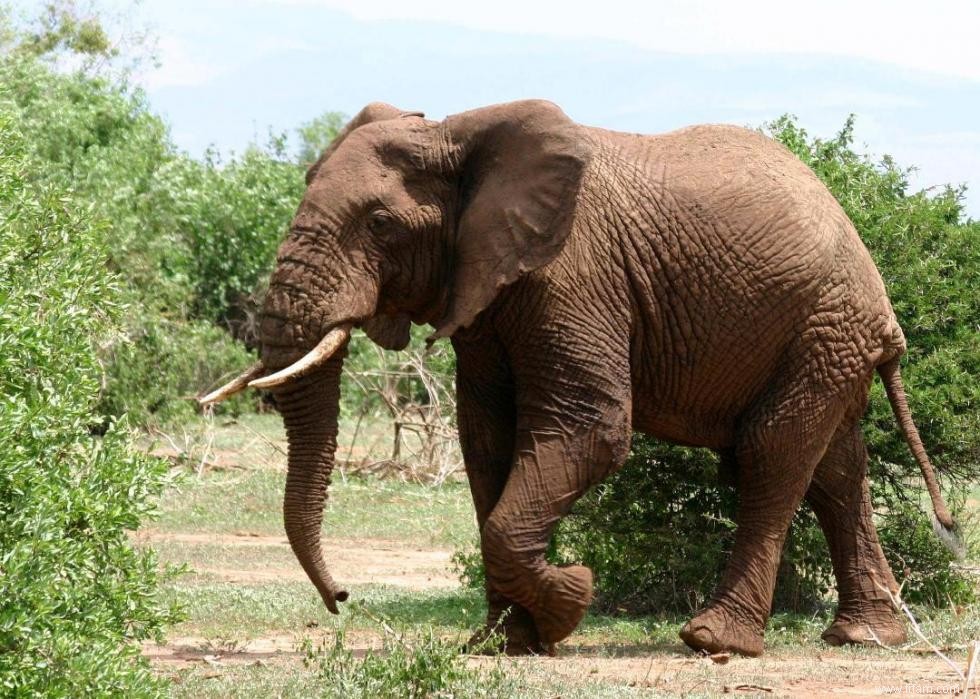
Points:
x=381, y=222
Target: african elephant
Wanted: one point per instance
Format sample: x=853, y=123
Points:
x=701, y=286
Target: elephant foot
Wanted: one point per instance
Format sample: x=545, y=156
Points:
x=564, y=599
x=715, y=630
x=511, y=632
x=885, y=631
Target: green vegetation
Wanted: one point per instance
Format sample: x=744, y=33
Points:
x=132, y=274
x=409, y=664
x=73, y=592
x=95, y=136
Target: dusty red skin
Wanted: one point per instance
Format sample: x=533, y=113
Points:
x=701, y=286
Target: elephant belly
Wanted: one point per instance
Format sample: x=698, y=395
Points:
x=691, y=430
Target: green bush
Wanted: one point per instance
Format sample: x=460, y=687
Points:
x=156, y=369
x=658, y=533
x=75, y=597
x=97, y=137
x=232, y=216
x=189, y=241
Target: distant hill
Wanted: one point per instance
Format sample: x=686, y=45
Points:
x=282, y=65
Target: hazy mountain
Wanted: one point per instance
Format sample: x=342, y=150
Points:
x=233, y=74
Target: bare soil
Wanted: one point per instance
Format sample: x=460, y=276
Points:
x=820, y=672
x=355, y=561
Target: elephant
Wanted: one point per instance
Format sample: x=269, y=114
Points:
x=701, y=286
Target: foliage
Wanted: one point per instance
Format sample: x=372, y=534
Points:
x=658, y=533
x=100, y=139
x=316, y=134
x=910, y=546
x=74, y=594
x=189, y=240
x=159, y=365
x=232, y=217
x=60, y=27
x=416, y=666
x=468, y=565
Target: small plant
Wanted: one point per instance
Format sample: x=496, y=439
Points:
x=409, y=666
x=468, y=565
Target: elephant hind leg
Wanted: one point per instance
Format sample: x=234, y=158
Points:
x=840, y=498
x=779, y=445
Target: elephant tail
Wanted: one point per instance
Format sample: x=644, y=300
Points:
x=943, y=522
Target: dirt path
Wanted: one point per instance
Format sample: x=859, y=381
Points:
x=772, y=675
x=673, y=671
x=360, y=561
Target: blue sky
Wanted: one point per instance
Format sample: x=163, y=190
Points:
x=910, y=71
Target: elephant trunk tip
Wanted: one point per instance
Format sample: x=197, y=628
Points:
x=331, y=596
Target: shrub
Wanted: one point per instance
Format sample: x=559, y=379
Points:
x=158, y=366
x=658, y=533
x=189, y=240
x=74, y=594
x=233, y=216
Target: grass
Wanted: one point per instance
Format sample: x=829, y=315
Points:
x=245, y=496
x=250, y=502
x=271, y=635
x=220, y=610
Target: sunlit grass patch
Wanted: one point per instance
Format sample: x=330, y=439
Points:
x=247, y=611
x=250, y=502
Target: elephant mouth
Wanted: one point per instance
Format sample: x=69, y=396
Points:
x=258, y=376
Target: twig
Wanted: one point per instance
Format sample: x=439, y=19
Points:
x=902, y=607
x=209, y=417
x=350, y=449
x=173, y=445
x=971, y=665
x=261, y=436
x=758, y=687
x=382, y=623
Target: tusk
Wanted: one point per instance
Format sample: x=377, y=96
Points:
x=237, y=384
x=330, y=343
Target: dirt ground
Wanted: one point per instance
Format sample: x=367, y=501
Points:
x=370, y=561
x=820, y=672
x=410, y=556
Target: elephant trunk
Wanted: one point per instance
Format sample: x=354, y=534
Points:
x=309, y=409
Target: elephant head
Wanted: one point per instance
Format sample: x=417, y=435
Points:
x=404, y=220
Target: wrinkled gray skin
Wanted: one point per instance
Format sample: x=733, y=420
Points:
x=701, y=286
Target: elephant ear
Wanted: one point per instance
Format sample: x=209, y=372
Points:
x=519, y=166
x=390, y=332
x=375, y=111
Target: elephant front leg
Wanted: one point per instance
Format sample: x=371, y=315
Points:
x=554, y=465
x=487, y=425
